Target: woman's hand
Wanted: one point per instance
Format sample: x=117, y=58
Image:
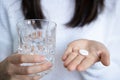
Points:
x=10, y=68
x=73, y=60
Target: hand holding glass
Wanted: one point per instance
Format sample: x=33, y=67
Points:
x=37, y=36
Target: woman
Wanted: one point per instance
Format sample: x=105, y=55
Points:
x=81, y=26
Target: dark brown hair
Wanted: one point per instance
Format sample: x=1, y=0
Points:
x=85, y=11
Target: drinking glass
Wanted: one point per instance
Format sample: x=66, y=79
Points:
x=37, y=36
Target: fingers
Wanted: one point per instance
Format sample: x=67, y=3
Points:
x=23, y=58
x=73, y=59
x=26, y=70
x=74, y=63
x=70, y=58
x=68, y=50
x=24, y=77
x=79, y=62
x=86, y=63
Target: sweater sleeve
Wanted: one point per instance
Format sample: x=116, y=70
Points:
x=5, y=35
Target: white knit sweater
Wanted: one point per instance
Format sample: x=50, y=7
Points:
x=105, y=29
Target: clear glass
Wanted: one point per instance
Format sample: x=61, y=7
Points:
x=37, y=36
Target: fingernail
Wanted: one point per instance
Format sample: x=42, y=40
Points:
x=64, y=57
x=42, y=58
x=49, y=64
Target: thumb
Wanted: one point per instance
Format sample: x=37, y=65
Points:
x=105, y=58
